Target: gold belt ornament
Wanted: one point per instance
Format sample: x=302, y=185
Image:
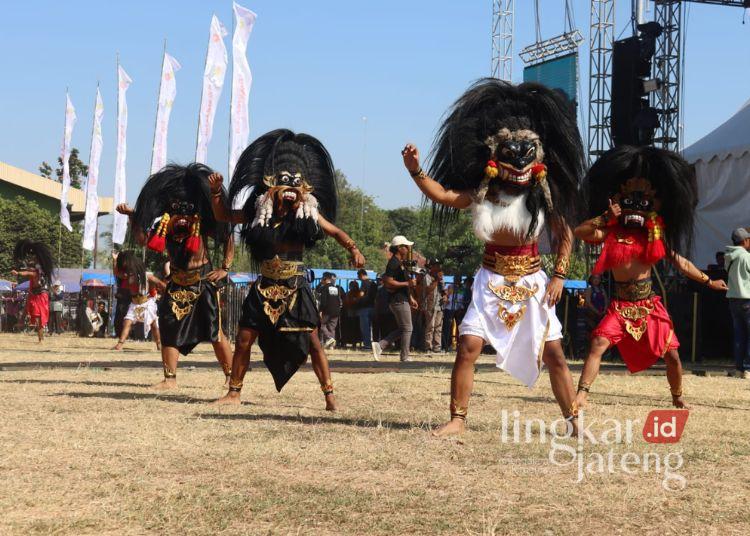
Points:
x=513, y=294
x=636, y=318
x=633, y=290
x=279, y=269
x=182, y=302
x=276, y=292
x=185, y=278
x=512, y=267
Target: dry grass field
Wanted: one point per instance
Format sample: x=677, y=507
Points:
x=88, y=448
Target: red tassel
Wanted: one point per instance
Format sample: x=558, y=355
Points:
x=193, y=244
x=157, y=243
x=655, y=251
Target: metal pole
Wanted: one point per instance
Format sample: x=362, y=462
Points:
x=695, y=327
x=364, y=176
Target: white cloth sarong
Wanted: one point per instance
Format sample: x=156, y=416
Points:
x=145, y=312
x=519, y=349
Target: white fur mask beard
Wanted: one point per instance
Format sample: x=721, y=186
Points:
x=308, y=208
x=508, y=214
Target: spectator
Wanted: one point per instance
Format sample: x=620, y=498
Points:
x=417, y=316
x=595, y=302
x=432, y=296
x=453, y=304
x=717, y=271
x=384, y=322
x=104, y=315
x=400, y=300
x=91, y=321
x=349, y=324
x=737, y=262
x=56, y=308
x=366, y=307
x=330, y=299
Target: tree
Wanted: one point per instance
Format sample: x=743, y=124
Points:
x=23, y=218
x=77, y=169
x=363, y=220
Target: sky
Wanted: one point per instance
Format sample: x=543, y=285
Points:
x=363, y=77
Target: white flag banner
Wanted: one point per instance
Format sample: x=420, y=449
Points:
x=167, y=94
x=120, y=225
x=70, y=121
x=242, y=79
x=95, y=156
x=213, y=82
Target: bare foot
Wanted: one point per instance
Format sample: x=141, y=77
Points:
x=678, y=402
x=232, y=398
x=331, y=404
x=118, y=346
x=165, y=385
x=582, y=399
x=226, y=381
x=453, y=427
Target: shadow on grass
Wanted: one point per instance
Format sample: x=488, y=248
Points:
x=359, y=423
x=97, y=384
x=182, y=399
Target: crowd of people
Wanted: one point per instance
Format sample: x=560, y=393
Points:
x=371, y=313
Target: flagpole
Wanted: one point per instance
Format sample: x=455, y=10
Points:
x=86, y=191
x=117, y=135
x=59, y=223
x=231, y=101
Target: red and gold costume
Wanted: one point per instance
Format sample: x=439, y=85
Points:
x=636, y=320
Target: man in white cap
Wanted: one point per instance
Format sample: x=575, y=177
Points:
x=400, y=299
x=737, y=263
x=56, y=308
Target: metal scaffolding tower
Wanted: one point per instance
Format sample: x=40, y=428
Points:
x=502, y=39
x=667, y=64
x=601, y=35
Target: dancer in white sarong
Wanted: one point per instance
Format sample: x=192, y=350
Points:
x=129, y=268
x=513, y=155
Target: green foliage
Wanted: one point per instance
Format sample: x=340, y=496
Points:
x=77, y=169
x=367, y=224
x=23, y=218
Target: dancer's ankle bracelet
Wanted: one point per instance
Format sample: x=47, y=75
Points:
x=235, y=386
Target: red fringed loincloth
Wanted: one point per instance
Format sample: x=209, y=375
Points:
x=641, y=330
x=37, y=306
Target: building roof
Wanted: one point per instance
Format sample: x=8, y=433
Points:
x=52, y=189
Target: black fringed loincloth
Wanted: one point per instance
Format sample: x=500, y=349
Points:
x=281, y=308
x=189, y=310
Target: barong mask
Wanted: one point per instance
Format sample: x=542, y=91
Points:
x=291, y=182
x=175, y=203
x=656, y=191
x=34, y=256
x=509, y=142
x=638, y=202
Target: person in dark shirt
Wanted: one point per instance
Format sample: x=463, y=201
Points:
x=104, y=314
x=330, y=298
x=400, y=301
x=366, y=307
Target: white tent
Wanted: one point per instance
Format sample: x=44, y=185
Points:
x=722, y=167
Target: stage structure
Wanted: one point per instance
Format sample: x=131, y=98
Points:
x=601, y=36
x=554, y=62
x=502, y=39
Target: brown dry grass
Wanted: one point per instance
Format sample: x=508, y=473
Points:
x=91, y=450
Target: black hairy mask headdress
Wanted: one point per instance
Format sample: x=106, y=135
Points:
x=178, y=196
x=670, y=181
x=130, y=265
x=292, y=179
x=27, y=252
x=515, y=138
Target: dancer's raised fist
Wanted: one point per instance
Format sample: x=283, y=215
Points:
x=123, y=208
x=215, y=181
x=411, y=157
